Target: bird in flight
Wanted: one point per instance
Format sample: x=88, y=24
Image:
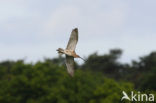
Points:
x=70, y=51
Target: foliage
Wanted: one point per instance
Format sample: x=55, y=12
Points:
x=49, y=83
x=142, y=73
x=101, y=79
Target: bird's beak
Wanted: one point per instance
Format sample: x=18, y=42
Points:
x=82, y=59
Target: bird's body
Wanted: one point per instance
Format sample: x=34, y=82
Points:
x=70, y=51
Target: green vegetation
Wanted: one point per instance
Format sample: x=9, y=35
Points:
x=101, y=79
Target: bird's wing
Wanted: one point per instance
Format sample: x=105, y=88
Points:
x=70, y=65
x=73, y=40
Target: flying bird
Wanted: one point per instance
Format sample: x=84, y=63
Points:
x=70, y=51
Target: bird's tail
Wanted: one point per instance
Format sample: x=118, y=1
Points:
x=60, y=51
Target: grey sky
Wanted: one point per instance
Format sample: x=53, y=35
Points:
x=34, y=29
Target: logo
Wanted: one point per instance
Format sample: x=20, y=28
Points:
x=137, y=96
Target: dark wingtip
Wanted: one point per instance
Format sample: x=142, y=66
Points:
x=71, y=74
x=76, y=29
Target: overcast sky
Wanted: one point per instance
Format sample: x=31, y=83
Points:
x=34, y=29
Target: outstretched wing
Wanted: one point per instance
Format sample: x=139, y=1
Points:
x=70, y=65
x=73, y=40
